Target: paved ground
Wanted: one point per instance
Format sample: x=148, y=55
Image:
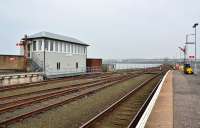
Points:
x=186, y=100
x=162, y=113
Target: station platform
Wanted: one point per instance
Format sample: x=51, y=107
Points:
x=186, y=100
x=178, y=104
x=162, y=114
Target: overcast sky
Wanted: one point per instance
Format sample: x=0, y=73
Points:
x=114, y=28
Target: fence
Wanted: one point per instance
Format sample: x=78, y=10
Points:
x=72, y=71
x=94, y=69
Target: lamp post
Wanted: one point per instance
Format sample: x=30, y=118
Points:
x=194, y=26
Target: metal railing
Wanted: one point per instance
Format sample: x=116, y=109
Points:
x=37, y=60
x=94, y=69
x=52, y=71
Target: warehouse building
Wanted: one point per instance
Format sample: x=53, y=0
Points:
x=54, y=54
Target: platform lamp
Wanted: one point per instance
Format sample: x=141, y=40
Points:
x=194, y=26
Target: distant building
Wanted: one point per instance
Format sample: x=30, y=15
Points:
x=55, y=54
x=94, y=64
x=108, y=67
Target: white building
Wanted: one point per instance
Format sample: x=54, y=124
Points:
x=56, y=54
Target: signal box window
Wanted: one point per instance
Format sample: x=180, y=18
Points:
x=51, y=45
x=40, y=45
x=56, y=46
x=46, y=45
x=34, y=45
x=58, y=65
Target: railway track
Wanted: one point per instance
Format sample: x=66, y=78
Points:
x=7, y=106
x=126, y=111
x=36, y=104
x=41, y=83
x=31, y=95
x=96, y=87
x=52, y=89
x=55, y=88
x=55, y=80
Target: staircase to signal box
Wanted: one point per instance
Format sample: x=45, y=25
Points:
x=34, y=67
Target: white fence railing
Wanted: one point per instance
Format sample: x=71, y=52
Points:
x=94, y=69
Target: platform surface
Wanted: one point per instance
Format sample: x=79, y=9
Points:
x=162, y=113
x=178, y=104
x=186, y=100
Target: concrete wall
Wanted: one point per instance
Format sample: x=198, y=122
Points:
x=20, y=78
x=11, y=62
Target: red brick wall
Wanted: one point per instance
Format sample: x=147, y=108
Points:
x=94, y=62
x=11, y=62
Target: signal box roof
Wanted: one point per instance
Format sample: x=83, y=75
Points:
x=58, y=37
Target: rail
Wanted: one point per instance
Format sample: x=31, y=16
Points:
x=117, y=103
x=137, y=117
x=143, y=119
x=40, y=83
x=42, y=109
x=68, y=90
